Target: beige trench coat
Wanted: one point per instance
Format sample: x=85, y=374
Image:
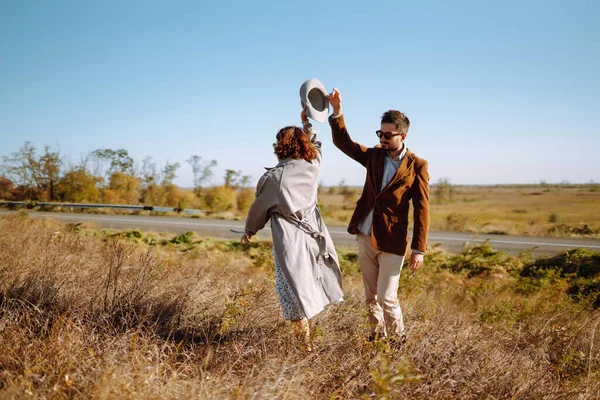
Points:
x=287, y=196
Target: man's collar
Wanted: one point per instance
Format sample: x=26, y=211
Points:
x=401, y=155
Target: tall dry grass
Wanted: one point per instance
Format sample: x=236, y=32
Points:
x=84, y=316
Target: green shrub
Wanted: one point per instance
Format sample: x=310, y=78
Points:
x=73, y=227
x=586, y=290
x=456, y=222
x=580, y=267
x=184, y=238
x=482, y=259
x=533, y=284
x=573, y=364
x=585, y=230
x=390, y=375
x=150, y=240
x=581, y=263
x=559, y=230
x=244, y=199
x=435, y=258
x=134, y=234
x=567, y=230
x=220, y=198
x=261, y=254
x=348, y=262
x=528, y=286
x=503, y=312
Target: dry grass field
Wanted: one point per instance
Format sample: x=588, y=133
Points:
x=536, y=210
x=117, y=315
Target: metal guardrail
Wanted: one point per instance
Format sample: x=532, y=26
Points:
x=14, y=204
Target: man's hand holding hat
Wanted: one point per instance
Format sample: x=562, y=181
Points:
x=335, y=99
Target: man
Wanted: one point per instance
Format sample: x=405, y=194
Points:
x=395, y=176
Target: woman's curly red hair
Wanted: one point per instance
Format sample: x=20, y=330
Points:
x=295, y=143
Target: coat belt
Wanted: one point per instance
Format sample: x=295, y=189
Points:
x=310, y=230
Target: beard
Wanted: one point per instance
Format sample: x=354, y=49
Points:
x=389, y=147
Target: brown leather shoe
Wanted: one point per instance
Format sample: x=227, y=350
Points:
x=397, y=341
x=374, y=336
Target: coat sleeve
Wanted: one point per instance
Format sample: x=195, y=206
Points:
x=264, y=203
x=420, y=199
x=342, y=140
x=312, y=134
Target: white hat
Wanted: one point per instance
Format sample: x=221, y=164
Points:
x=312, y=94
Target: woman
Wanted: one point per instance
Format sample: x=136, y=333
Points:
x=308, y=276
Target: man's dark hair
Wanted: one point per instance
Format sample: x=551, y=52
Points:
x=397, y=118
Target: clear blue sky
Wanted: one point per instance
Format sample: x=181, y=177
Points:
x=497, y=92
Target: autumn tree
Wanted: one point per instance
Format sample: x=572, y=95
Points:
x=235, y=179
x=150, y=178
x=220, y=198
x=171, y=192
x=6, y=188
x=50, y=164
x=78, y=186
x=202, y=171
x=169, y=173
x=231, y=177
x=37, y=175
x=245, y=180
x=123, y=188
x=109, y=161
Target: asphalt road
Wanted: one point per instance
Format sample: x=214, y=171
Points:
x=449, y=241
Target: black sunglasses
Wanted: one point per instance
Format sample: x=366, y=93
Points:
x=386, y=135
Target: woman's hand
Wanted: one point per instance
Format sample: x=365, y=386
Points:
x=245, y=239
x=303, y=116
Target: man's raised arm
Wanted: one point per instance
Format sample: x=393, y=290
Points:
x=339, y=133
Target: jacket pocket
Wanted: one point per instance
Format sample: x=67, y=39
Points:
x=395, y=223
x=398, y=229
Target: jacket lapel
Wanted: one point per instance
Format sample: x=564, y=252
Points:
x=376, y=174
x=403, y=169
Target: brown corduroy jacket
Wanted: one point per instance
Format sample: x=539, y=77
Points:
x=390, y=205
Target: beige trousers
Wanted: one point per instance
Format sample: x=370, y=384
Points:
x=381, y=276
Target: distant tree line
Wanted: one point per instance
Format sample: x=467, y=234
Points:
x=113, y=177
